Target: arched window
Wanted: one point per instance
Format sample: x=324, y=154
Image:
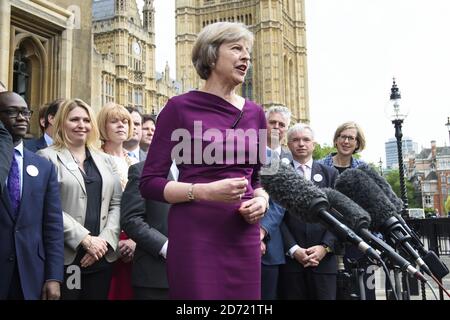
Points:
x=21, y=75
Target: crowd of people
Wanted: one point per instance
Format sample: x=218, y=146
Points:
x=94, y=221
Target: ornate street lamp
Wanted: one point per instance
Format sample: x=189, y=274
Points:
x=448, y=127
x=380, y=166
x=397, y=115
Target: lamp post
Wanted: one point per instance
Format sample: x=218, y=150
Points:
x=448, y=127
x=380, y=166
x=397, y=115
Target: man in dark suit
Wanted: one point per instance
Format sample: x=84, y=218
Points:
x=278, y=119
x=145, y=221
x=34, y=145
x=31, y=222
x=310, y=272
x=132, y=145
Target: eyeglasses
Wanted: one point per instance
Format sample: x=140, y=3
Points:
x=15, y=113
x=350, y=138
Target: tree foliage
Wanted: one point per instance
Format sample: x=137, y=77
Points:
x=393, y=177
x=447, y=205
x=321, y=152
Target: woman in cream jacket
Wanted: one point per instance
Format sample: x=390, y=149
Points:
x=90, y=196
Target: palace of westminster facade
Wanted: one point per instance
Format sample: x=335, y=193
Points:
x=104, y=50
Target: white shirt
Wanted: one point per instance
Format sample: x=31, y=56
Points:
x=48, y=139
x=135, y=153
x=307, y=171
x=307, y=168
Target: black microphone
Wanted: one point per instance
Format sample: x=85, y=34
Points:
x=303, y=199
x=359, y=220
x=438, y=268
x=359, y=187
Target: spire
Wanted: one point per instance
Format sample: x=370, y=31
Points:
x=148, y=15
x=167, y=72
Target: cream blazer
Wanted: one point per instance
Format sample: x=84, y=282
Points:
x=74, y=200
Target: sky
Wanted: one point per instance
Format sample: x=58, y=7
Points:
x=355, y=48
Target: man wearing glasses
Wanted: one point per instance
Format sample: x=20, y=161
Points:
x=31, y=225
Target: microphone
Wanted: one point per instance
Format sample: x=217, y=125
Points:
x=437, y=267
x=303, y=199
x=358, y=186
x=359, y=220
x=382, y=183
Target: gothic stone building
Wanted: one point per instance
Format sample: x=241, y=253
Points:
x=279, y=69
x=127, y=48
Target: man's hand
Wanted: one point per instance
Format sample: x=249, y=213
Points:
x=51, y=290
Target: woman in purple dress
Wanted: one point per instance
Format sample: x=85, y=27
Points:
x=214, y=136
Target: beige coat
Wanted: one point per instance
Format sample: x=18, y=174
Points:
x=74, y=200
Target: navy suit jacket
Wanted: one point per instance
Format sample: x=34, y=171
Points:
x=271, y=222
x=34, y=145
x=295, y=231
x=35, y=238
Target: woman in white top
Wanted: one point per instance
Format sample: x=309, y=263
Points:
x=116, y=126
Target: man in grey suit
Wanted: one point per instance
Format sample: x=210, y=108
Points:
x=278, y=119
x=145, y=221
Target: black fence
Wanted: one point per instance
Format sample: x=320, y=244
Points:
x=434, y=233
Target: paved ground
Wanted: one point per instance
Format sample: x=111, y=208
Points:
x=380, y=280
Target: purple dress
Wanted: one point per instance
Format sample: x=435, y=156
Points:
x=213, y=252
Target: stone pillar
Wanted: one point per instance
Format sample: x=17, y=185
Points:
x=5, y=27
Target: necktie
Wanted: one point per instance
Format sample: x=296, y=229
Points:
x=132, y=155
x=14, y=185
x=301, y=170
x=268, y=156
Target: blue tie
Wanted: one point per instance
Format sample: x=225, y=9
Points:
x=132, y=154
x=14, y=185
x=268, y=156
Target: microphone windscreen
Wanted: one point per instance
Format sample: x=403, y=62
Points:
x=292, y=191
x=353, y=215
x=384, y=185
x=358, y=186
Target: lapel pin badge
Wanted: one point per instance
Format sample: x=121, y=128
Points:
x=32, y=170
x=317, y=177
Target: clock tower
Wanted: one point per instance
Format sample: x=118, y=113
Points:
x=127, y=46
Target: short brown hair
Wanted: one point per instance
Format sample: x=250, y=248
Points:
x=360, y=138
x=206, y=47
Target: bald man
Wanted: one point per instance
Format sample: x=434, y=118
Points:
x=31, y=222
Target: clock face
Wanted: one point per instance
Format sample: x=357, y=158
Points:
x=136, y=48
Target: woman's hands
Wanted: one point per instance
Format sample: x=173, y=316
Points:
x=225, y=190
x=232, y=190
x=95, y=247
x=254, y=209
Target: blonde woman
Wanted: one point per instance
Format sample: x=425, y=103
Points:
x=116, y=126
x=90, y=198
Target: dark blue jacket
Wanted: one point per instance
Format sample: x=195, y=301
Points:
x=35, y=239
